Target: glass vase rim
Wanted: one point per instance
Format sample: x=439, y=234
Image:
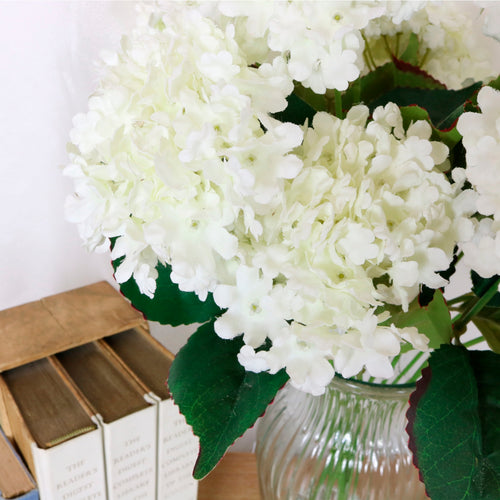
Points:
x=374, y=387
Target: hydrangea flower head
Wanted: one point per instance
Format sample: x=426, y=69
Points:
x=481, y=139
x=366, y=221
x=454, y=46
x=172, y=146
x=301, y=233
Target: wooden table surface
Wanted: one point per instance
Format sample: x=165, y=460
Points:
x=234, y=478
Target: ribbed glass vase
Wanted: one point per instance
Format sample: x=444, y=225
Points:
x=349, y=444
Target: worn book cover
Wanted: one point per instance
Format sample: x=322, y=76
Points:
x=150, y=361
x=55, y=432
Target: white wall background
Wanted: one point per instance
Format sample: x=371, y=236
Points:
x=47, y=72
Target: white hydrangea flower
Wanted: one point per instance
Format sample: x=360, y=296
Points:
x=369, y=346
x=350, y=235
x=481, y=139
x=301, y=351
x=300, y=233
x=172, y=150
x=453, y=47
x=320, y=41
x=491, y=16
x=482, y=252
x=255, y=307
x=323, y=43
x=380, y=194
x=251, y=360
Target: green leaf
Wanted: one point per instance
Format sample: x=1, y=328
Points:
x=433, y=320
x=169, y=306
x=218, y=398
x=410, y=55
x=426, y=294
x=488, y=323
x=457, y=155
x=317, y=102
x=453, y=424
x=371, y=88
x=495, y=83
x=486, y=366
x=482, y=285
x=297, y=111
x=444, y=106
x=410, y=76
x=411, y=114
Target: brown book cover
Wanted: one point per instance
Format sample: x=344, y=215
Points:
x=149, y=361
x=54, y=430
x=127, y=416
x=146, y=358
x=108, y=389
x=49, y=408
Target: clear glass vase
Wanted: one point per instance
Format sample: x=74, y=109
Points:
x=349, y=444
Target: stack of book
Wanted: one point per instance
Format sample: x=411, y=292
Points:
x=89, y=410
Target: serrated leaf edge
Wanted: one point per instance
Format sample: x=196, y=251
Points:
x=421, y=387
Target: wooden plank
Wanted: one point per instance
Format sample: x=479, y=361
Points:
x=98, y=307
x=27, y=332
x=234, y=478
x=38, y=329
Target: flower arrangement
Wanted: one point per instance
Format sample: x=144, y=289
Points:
x=301, y=180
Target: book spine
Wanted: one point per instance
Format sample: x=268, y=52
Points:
x=19, y=431
x=130, y=452
x=178, y=450
x=73, y=470
x=33, y=493
x=4, y=419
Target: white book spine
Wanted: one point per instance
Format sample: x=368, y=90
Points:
x=178, y=450
x=72, y=470
x=130, y=453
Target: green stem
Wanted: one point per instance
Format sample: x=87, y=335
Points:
x=367, y=61
x=338, y=104
x=460, y=299
x=460, y=321
x=317, y=102
x=473, y=342
x=356, y=91
x=369, y=55
x=424, y=59
x=398, y=37
x=387, y=47
x=408, y=367
x=418, y=372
